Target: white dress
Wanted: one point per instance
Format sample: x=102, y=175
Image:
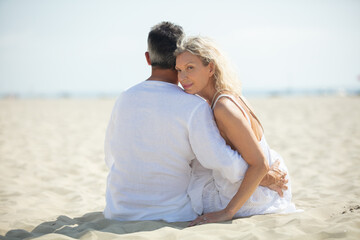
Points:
x=216, y=192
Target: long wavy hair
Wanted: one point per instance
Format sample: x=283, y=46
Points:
x=225, y=77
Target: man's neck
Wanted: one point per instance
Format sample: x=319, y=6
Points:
x=164, y=75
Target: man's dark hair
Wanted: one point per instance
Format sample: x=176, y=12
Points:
x=162, y=41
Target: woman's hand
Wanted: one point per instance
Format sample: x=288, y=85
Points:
x=275, y=179
x=219, y=216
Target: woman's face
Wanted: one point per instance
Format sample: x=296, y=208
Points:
x=192, y=74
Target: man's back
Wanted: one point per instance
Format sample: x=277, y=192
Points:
x=148, y=151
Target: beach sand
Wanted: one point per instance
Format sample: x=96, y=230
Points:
x=53, y=175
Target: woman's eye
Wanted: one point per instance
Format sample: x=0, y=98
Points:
x=190, y=67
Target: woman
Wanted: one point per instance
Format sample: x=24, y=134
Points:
x=203, y=70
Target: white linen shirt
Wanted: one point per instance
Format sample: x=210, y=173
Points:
x=155, y=132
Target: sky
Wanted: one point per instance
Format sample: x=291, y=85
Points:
x=50, y=47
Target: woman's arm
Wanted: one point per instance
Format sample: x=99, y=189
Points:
x=235, y=128
x=275, y=179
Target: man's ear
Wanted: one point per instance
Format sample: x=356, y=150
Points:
x=147, y=56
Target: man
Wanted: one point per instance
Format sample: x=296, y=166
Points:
x=155, y=132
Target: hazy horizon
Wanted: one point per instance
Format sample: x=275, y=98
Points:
x=51, y=48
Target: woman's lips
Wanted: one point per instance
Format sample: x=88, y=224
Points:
x=185, y=86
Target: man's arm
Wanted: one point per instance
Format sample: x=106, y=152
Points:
x=213, y=153
x=109, y=159
x=211, y=149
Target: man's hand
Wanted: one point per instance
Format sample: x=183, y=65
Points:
x=275, y=179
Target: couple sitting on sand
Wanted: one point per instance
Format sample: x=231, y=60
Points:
x=169, y=160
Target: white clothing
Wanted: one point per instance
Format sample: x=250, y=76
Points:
x=212, y=192
x=155, y=132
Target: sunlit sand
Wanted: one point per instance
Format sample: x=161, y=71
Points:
x=52, y=174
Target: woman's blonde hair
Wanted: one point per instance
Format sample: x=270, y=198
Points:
x=225, y=77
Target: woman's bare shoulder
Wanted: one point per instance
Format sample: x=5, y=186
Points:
x=225, y=110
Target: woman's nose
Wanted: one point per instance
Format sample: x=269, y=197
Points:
x=181, y=76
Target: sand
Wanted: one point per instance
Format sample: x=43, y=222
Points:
x=52, y=174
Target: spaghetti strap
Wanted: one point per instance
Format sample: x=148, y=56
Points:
x=234, y=100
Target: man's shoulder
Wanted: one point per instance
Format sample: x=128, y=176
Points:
x=156, y=91
x=132, y=91
x=163, y=88
x=192, y=102
x=135, y=87
x=194, y=98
